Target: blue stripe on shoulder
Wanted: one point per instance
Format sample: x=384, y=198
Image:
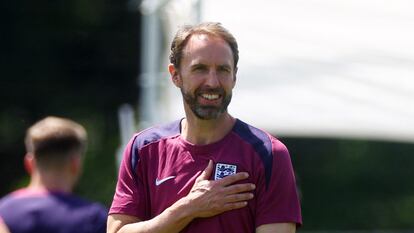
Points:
x=260, y=142
x=152, y=135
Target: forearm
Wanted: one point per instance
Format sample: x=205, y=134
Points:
x=277, y=228
x=171, y=220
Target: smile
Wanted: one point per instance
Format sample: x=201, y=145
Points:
x=210, y=96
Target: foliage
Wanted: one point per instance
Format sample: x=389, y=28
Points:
x=75, y=59
x=354, y=184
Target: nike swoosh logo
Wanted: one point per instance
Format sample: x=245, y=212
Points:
x=158, y=182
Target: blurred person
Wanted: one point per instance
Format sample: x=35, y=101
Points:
x=208, y=172
x=55, y=147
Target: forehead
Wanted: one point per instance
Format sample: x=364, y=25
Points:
x=203, y=48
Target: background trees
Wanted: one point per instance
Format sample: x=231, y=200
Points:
x=76, y=59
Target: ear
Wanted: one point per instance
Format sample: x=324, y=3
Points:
x=75, y=165
x=29, y=163
x=235, y=77
x=175, y=77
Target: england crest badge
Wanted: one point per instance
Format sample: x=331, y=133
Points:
x=223, y=170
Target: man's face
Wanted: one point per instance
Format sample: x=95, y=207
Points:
x=206, y=76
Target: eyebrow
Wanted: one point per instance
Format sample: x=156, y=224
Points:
x=225, y=66
x=201, y=65
x=198, y=65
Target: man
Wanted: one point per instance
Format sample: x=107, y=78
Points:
x=53, y=160
x=208, y=172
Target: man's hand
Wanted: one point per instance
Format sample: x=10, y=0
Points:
x=211, y=197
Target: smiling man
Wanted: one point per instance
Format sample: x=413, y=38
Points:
x=208, y=172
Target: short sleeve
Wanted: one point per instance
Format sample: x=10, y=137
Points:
x=129, y=198
x=277, y=197
x=99, y=219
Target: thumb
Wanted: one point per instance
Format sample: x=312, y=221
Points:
x=205, y=175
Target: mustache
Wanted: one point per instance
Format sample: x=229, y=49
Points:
x=219, y=91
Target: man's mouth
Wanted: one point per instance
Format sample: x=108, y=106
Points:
x=210, y=96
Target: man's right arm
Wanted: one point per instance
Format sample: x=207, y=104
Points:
x=207, y=198
x=171, y=220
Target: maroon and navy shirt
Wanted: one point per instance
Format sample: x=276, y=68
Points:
x=159, y=167
x=41, y=211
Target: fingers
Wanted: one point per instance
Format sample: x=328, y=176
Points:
x=239, y=188
x=234, y=205
x=212, y=197
x=205, y=175
x=233, y=178
x=236, y=201
x=239, y=197
x=228, y=180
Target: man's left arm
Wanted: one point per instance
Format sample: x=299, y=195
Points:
x=278, y=205
x=277, y=228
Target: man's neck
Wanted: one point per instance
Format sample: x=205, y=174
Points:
x=50, y=182
x=203, y=132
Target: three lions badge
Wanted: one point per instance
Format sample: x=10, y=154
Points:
x=222, y=170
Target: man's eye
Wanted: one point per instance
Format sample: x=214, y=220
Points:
x=199, y=68
x=224, y=69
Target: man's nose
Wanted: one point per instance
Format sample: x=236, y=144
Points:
x=212, y=79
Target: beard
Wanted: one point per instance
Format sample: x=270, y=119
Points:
x=206, y=112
